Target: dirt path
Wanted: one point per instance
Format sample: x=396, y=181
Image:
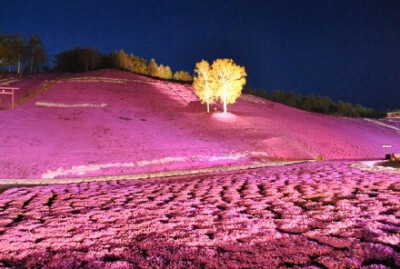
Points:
x=52, y=181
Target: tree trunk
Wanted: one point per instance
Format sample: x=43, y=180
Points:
x=208, y=107
x=32, y=56
x=225, y=106
x=19, y=65
x=225, y=97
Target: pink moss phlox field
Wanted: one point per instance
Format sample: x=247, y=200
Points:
x=395, y=122
x=315, y=215
x=111, y=117
x=331, y=214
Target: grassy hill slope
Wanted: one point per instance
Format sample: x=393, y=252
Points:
x=114, y=122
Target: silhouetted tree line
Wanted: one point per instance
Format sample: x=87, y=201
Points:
x=22, y=52
x=29, y=54
x=85, y=59
x=81, y=59
x=317, y=103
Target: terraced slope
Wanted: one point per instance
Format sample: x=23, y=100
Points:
x=314, y=215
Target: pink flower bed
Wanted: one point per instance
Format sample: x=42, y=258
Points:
x=392, y=121
x=321, y=214
x=331, y=214
x=28, y=85
x=108, y=117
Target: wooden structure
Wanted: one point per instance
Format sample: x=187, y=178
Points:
x=8, y=91
x=395, y=114
x=393, y=157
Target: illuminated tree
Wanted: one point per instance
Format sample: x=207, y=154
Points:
x=120, y=59
x=204, y=83
x=182, y=75
x=164, y=72
x=139, y=65
x=167, y=72
x=230, y=79
x=153, y=68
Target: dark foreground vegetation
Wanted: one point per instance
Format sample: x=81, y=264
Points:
x=317, y=103
x=85, y=59
x=26, y=53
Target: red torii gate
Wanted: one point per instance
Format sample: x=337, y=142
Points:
x=8, y=91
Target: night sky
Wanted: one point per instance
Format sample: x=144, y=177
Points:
x=348, y=50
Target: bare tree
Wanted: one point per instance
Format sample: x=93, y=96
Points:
x=36, y=53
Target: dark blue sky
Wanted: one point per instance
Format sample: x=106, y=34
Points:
x=349, y=50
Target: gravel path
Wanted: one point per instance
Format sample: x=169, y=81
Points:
x=322, y=214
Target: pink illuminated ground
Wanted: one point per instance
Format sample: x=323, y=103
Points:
x=395, y=122
x=136, y=124
x=321, y=215
x=329, y=214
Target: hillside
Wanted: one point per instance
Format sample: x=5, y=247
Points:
x=112, y=122
x=205, y=207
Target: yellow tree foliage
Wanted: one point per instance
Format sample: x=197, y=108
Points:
x=229, y=79
x=182, y=75
x=153, y=68
x=129, y=62
x=135, y=64
x=164, y=72
x=204, y=83
x=168, y=72
x=139, y=65
x=160, y=71
x=121, y=59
